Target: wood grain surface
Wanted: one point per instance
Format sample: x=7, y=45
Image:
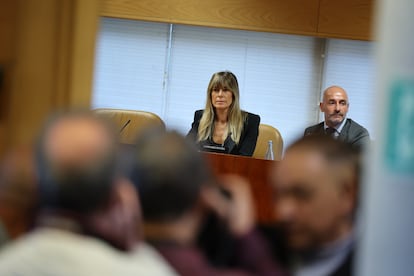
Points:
x=347, y=19
x=293, y=16
x=256, y=171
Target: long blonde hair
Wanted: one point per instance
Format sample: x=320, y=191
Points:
x=235, y=116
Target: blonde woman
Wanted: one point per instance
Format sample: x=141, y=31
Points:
x=222, y=126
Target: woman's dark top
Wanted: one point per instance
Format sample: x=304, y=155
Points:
x=247, y=142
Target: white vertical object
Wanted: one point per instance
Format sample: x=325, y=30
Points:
x=387, y=221
x=269, y=152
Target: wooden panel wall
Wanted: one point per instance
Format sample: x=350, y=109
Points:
x=307, y=17
x=349, y=19
x=51, y=65
x=8, y=22
x=293, y=16
x=8, y=28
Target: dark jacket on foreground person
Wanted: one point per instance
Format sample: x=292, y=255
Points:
x=251, y=258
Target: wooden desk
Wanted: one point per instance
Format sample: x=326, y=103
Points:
x=256, y=171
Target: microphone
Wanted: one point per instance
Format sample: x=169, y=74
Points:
x=125, y=125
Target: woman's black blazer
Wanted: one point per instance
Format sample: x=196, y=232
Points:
x=248, y=137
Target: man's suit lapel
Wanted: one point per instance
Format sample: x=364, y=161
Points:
x=321, y=129
x=344, y=132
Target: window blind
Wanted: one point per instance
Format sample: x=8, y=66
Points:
x=129, y=69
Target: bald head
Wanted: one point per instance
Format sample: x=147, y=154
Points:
x=77, y=141
x=76, y=159
x=334, y=105
x=334, y=88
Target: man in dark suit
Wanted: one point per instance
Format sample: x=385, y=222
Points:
x=335, y=106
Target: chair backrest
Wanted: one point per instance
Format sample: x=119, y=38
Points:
x=131, y=122
x=266, y=133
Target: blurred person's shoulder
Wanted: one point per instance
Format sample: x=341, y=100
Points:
x=48, y=251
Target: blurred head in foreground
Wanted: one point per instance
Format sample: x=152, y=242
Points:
x=76, y=157
x=169, y=174
x=315, y=186
x=78, y=177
